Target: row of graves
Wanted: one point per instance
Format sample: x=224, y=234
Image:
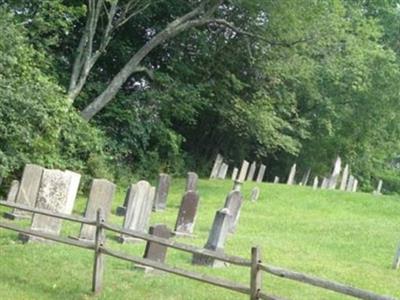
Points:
x=339, y=178
x=56, y=191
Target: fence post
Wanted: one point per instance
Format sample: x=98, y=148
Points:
x=98, y=267
x=255, y=274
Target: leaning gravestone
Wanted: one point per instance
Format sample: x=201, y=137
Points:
x=255, y=194
x=315, y=183
x=13, y=191
x=187, y=214
x=261, y=173
x=216, y=240
x=378, y=188
x=345, y=177
x=138, y=211
x=160, y=201
x=276, y=179
x=292, y=173
x=233, y=203
x=234, y=174
x=243, y=171
x=355, y=186
x=73, y=188
x=324, y=183
x=332, y=181
x=305, y=178
x=52, y=196
x=101, y=195
x=252, y=171
x=350, y=183
x=28, y=191
x=191, y=181
x=223, y=171
x=217, y=165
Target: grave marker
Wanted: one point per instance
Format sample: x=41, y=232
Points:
x=292, y=174
x=217, y=165
x=73, y=188
x=250, y=175
x=160, y=201
x=187, y=214
x=191, y=181
x=315, y=183
x=234, y=174
x=378, y=188
x=306, y=177
x=261, y=173
x=243, y=171
x=345, y=177
x=350, y=183
x=332, y=181
x=324, y=183
x=355, y=186
x=255, y=194
x=233, y=203
x=13, y=191
x=223, y=171
x=276, y=179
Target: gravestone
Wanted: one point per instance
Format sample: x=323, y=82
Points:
x=233, y=203
x=101, y=196
x=305, y=178
x=345, y=177
x=160, y=200
x=350, y=183
x=276, y=179
x=243, y=171
x=332, y=182
x=378, y=188
x=191, y=181
x=216, y=240
x=261, y=173
x=396, y=261
x=255, y=194
x=28, y=191
x=13, y=191
x=252, y=171
x=324, y=183
x=52, y=196
x=292, y=174
x=223, y=171
x=237, y=185
x=187, y=214
x=217, y=165
x=73, y=187
x=121, y=210
x=234, y=174
x=138, y=211
x=355, y=185
x=315, y=183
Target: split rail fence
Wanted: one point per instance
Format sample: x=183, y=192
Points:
x=257, y=267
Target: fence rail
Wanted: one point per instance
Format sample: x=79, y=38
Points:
x=257, y=268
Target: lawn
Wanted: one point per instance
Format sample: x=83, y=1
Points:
x=346, y=237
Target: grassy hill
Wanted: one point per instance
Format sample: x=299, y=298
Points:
x=346, y=237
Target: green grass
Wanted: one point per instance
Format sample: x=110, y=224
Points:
x=346, y=237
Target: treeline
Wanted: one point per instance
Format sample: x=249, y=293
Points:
x=125, y=87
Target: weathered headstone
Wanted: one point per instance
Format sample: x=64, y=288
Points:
x=101, y=196
x=255, y=194
x=141, y=196
x=191, y=181
x=121, y=210
x=306, y=177
x=350, y=183
x=396, y=261
x=378, y=188
x=276, y=179
x=216, y=240
x=345, y=177
x=355, y=186
x=252, y=171
x=73, y=187
x=187, y=214
x=233, y=203
x=332, y=181
x=324, y=183
x=28, y=191
x=261, y=173
x=217, y=165
x=315, y=183
x=13, y=191
x=292, y=174
x=243, y=171
x=160, y=200
x=234, y=174
x=223, y=171
x=237, y=185
x=52, y=196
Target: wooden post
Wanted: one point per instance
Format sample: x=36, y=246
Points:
x=255, y=274
x=98, y=267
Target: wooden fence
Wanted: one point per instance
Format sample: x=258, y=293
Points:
x=257, y=267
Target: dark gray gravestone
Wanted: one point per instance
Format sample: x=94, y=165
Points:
x=191, y=182
x=255, y=194
x=101, y=195
x=28, y=191
x=216, y=240
x=121, y=210
x=252, y=171
x=13, y=191
x=160, y=201
x=187, y=214
x=233, y=203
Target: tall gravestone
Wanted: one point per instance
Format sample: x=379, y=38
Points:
x=252, y=171
x=233, y=203
x=315, y=183
x=223, y=171
x=138, y=211
x=324, y=183
x=73, y=187
x=13, y=191
x=292, y=174
x=217, y=165
x=52, y=196
x=235, y=174
x=191, y=181
x=345, y=177
x=378, y=190
x=28, y=190
x=216, y=240
x=332, y=182
x=101, y=196
x=261, y=173
x=160, y=200
x=350, y=183
x=355, y=186
x=255, y=194
x=306, y=177
x=276, y=179
x=243, y=171
x=187, y=214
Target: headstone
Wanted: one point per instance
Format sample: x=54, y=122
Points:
x=52, y=196
x=216, y=240
x=332, y=182
x=378, y=188
x=276, y=179
x=101, y=196
x=243, y=171
x=121, y=210
x=223, y=171
x=306, y=177
x=187, y=214
x=292, y=173
x=315, y=183
x=396, y=261
x=345, y=177
x=217, y=165
x=141, y=196
x=28, y=191
x=255, y=194
x=252, y=171
x=233, y=203
x=350, y=183
x=73, y=187
x=261, y=173
x=234, y=174
x=355, y=186
x=13, y=191
x=237, y=185
x=191, y=181
x=160, y=201
x=324, y=183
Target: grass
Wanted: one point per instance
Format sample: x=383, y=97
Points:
x=346, y=237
